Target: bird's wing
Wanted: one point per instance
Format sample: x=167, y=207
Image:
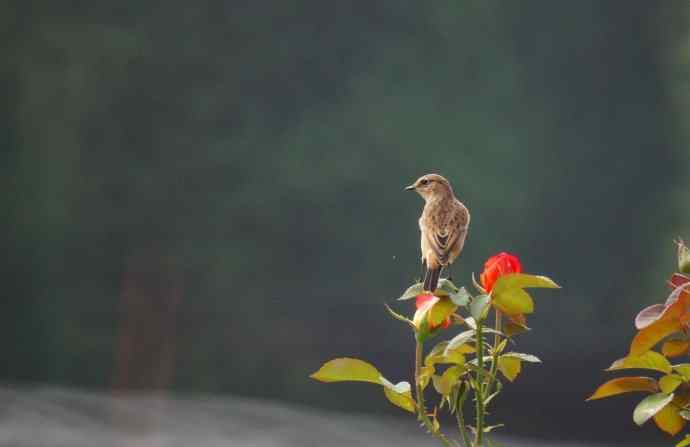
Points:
x=439, y=243
x=445, y=238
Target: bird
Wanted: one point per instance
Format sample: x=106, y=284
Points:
x=443, y=225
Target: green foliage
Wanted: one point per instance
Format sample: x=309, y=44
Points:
x=354, y=370
x=465, y=365
x=347, y=369
x=440, y=311
x=509, y=296
x=412, y=291
x=650, y=406
x=479, y=307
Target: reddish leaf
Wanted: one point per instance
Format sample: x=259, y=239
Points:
x=515, y=324
x=675, y=348
x=677, y=280
x=648, y=360
x=652, y=334
x=649, y=315
x=669, y=420
x=679, y=296
x=625, y=385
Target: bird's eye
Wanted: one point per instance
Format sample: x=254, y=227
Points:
x=424, y=182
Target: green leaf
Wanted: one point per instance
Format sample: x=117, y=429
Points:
x=455, y=357
x=648, y=360
x=458, y=340
x=355, y=370
x=491, y=428
x=412, y=292
x=685, y=442
x=445, y=383
x=438, y=355
x=684, y=370
x=347, y=369
x=488, y=330
x=461, y=297
x=425, y=373
x=397, y=316
x=479, y=307
x=512, y=301
x=499, y=388
x=399, y=394
x=469, y=321
x=523, y=281
x=510, y=367
x=498, y=349
x=649, y=406
x=472, y=365
x=509, y=296
x=458, y=396
x=438, y=313
x=512, y=328
x=435, y=353
x=670, y=382
x=524, y=357
x=445, y=287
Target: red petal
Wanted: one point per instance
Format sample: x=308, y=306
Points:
x=423, y=299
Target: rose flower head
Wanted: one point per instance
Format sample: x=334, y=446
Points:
x=496, y=266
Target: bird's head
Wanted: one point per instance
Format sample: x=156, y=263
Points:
x=431, y=186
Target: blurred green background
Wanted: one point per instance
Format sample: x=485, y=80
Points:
x=207, y=196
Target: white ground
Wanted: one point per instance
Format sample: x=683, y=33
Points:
x=52, y=417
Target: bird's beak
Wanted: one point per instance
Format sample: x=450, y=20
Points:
x=411, y=187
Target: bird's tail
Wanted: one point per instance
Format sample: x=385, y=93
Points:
x=431, y=278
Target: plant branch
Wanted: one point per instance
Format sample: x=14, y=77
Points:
x=479, y=388
x=461, y=418
x=421, y=407
x=494, y=363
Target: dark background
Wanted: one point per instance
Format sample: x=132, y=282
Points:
x=207, y=196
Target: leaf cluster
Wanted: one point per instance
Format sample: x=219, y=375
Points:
x=463, y=366
x=664, y=325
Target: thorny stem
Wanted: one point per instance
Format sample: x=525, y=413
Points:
x=421, y=408
x=497, y=336
x=479, y=389
x=461, y=418
x=494, y=363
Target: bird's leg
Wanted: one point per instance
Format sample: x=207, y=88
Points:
x=423, y=274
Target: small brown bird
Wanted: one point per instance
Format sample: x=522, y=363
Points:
x=443, y=224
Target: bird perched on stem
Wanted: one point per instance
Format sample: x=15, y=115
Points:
x=443, y=224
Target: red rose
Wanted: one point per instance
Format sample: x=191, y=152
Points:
x=424, y=299
x=498, y=265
